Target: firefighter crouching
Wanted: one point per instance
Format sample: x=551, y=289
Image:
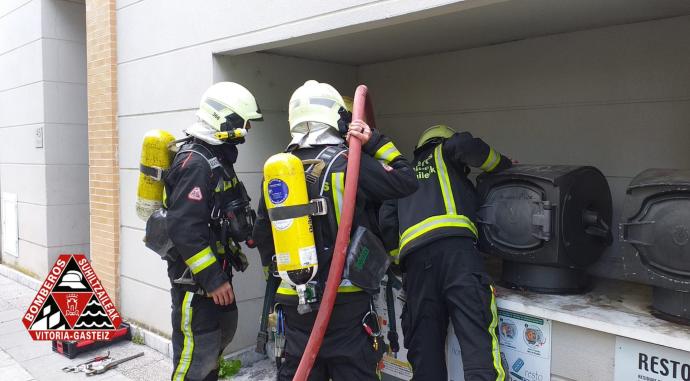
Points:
x=444, y=276
x=320, y=125
x=207, y=216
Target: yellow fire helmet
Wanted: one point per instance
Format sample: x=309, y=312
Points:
x=437, y=131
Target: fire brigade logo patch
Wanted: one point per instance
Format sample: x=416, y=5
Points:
x=195, y=194
x=72, y=304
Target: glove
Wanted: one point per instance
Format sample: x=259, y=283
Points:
x=237, y=258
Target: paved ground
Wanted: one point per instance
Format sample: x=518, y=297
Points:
x=23, y=359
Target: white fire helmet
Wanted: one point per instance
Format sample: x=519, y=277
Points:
x=314, y=113
x=221, y=104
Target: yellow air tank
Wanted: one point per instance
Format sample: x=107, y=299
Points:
x=155, y=158
x=293, y=238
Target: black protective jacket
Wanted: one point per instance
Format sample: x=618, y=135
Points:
x=445, y=205
x=193, y=190
x=384, y=175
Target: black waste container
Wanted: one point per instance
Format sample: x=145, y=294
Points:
x=655, y=236
x=547, y=222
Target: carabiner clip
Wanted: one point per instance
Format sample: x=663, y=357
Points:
x=367, y=327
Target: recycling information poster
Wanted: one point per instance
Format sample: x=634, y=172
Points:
x=640, y=361
x=525, y=346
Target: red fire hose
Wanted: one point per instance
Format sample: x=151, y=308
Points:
x=361, y=110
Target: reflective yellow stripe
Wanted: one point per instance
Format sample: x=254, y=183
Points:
x=495, y=350
x=345, y=287
x=394, y=252
x=491, y=161
x=387, y=153
x=436, y=222
x=188, y=344
x=201, y=260
x=165, y=198
x=337, y=188
x=448, y=199
x=286, y=289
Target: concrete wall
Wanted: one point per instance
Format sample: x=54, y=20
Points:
x=272, y=79
x=617, y=98
x=42, y=88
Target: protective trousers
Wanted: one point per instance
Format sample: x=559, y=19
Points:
x=346, y=354
x=443, y=280
x=201, y=331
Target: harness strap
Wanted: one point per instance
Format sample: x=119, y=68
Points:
x=330, y=154
x=215, y=166
x=316, y=207
x=208, y=155
x=316, y=166
x=156, y=173
x=392, y=283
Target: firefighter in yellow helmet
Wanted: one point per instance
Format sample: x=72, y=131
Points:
x=320, y=126
x=444, y=277
x=207, y=215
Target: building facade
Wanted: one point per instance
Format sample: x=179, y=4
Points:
x=571, y=82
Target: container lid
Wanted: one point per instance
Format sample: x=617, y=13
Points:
x=655, y=177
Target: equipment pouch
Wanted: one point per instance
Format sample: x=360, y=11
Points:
x=157, y=238
x=367, y=260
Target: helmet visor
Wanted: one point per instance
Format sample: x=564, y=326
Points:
x=233, y=121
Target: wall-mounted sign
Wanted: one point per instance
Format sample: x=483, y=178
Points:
x=640, y=361
x=525, y=346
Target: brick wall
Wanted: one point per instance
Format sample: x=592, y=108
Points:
x=104, y=179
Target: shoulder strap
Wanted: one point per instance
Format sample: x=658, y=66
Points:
x=329, y=155
x=202, y=151
x=208, y=155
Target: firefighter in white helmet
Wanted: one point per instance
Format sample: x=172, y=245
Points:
x=207, y=216
x=320, y=128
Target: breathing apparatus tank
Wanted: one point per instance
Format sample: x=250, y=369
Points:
x=285, y=192
x=155, y=160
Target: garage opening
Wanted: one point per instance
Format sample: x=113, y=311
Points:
x=602, y=84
